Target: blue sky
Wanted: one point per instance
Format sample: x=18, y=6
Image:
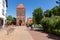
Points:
x=30, y=5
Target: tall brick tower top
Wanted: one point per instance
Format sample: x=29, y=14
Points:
x=20, y=6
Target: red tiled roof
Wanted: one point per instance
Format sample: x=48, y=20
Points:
x=20, y=6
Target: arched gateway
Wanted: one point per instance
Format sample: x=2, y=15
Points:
x=20, y=19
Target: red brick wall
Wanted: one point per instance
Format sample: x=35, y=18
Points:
x=20, y=16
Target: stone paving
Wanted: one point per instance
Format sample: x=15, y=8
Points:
x=16, y=33
x=23, y=33
x=40, y=35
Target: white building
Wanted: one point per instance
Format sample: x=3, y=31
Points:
x=3, y=6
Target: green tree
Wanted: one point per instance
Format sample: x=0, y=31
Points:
x=48, y=13
x=56, y=11
x=9, y=19
x=37, y=15
x=14, y=21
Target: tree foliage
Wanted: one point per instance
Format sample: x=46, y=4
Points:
x=48, y=13
x=11, y=20
x=51, y=25
x=37, y=15
x=54, y=11
x=51, y=22
x=14, y=21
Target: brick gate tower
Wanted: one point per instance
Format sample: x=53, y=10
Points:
x=20, y=17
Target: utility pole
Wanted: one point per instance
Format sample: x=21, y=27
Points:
x=58, y=2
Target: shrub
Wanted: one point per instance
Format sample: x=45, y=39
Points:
x=30, y=24
x=52, y=24
x=44, y=23
x=57, y=23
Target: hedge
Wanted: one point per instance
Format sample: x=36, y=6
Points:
x=51, y=25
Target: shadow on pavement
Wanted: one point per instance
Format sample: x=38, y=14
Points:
x=50, y=36
x=10, y=30
x=53, y=37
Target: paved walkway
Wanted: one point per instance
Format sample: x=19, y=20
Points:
x=22, y=33
x=40, y=35
x=17, y=33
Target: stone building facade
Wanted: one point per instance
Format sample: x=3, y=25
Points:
x=3, y=8
x=20, y=17
x=29, y=21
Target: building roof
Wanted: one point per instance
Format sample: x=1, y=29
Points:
x=20, y=6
